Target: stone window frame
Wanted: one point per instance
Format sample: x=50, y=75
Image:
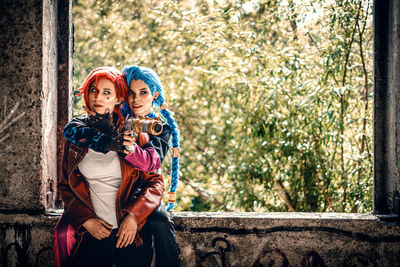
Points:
x=57, y=73
x=386, y=109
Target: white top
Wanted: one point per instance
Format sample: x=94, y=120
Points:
x=104, y=176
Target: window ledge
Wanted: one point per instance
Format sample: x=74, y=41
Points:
x=239, y=239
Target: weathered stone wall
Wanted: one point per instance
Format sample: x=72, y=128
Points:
x=237, y=239
x=283, y=239
x=21, y=76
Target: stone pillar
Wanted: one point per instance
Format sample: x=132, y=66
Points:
x=387, y=108
x=32, y=34
x=21, y=79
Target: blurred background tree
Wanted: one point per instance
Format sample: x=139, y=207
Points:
x=273, y=98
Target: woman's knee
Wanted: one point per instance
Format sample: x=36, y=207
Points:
x=160, y=219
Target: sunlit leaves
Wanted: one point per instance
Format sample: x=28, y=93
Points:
x=262, y=92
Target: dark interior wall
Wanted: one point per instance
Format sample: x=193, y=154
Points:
x=65, y=71
x=387, y=107
x=21, y=78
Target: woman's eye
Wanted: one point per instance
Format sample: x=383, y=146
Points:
x=107, y=92
x=92, y=90
x=143, y=92
x=130, y=93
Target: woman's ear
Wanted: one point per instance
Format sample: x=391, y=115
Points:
x=156, y=94
x=119, y=101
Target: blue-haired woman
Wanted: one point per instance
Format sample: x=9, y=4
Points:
x=146, y=91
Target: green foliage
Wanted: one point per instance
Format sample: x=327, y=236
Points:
x=273, y=99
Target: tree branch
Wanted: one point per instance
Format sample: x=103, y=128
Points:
x=285, y=195
x=342, y=100
x=324, y=179
x=205, y=195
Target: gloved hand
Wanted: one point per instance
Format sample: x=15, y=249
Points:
x=103, y=123
x=115, y=143
x=122, y=143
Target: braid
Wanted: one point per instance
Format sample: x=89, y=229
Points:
x=172, y=124
x=175, y=160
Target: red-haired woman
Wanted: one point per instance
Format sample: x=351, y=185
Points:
x=106, y=200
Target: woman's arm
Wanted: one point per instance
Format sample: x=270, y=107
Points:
x=150, y=156
x=81, y=134
x=142, y=205
x=139, y=207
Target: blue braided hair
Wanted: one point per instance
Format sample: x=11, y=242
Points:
x=152, y=80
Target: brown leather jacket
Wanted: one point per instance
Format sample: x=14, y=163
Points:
x=139, y=194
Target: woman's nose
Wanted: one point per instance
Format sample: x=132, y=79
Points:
x=99, y=96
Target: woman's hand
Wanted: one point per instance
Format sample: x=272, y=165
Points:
x=127, y=231
x=102, y=122
x=98, y=228
x=131, y=139
x=129, y=142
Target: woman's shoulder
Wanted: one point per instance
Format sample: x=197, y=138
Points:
x=83, y=119
x=166, y=128
x=166, y=131
x=164, y=123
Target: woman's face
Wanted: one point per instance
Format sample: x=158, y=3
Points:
x=139, y=98
x=102, y=96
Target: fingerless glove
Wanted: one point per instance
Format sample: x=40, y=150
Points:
x=115, y=143
x=104, y=123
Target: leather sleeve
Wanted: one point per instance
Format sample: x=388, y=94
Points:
x=74, y=209
x=143, y=204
